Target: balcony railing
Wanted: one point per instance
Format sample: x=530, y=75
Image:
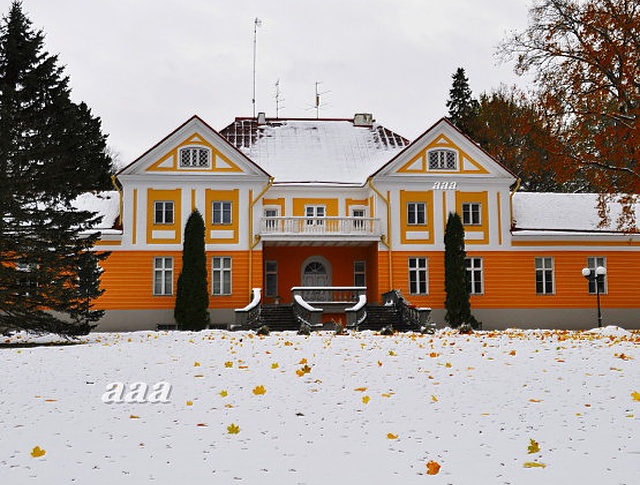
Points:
x=348, y=226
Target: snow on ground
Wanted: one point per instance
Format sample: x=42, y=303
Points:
x=355, y=409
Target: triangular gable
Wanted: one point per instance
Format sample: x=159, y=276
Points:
x=470, y=158
x=218, y=161
x=221, y=157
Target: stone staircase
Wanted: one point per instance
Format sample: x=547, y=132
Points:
x=279, y=317
x=379, y=317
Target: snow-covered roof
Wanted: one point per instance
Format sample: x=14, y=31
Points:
x=315, y=150
x=542, y=211
x=106, y=204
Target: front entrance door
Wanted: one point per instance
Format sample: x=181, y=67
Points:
x=315, y=274
x=316, y=271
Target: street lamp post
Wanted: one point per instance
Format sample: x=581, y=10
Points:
x=597, y=276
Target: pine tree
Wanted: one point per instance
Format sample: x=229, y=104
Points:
x=457, y=304
x=192, y=299
x=51, y=151
x=462, y=107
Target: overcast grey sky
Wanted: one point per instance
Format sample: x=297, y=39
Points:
x=145, y=66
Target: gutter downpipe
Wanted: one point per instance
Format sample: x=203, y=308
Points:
x=385, y=240
x=114, y=181
x=513, y=192
x=254, y=241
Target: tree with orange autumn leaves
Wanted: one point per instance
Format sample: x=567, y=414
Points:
x=584, y=58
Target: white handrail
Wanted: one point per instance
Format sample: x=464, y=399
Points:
x=255, y=301
x=362, y=301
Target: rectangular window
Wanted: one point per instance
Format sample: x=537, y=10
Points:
x=544, y=276
x=416, y=213
x=442, y=160
x=592, y=263
x=358, y=214
x=222, y=212
x=359, y=273
x=314, y=214
x=471, y=214
x=474, y=275
x=221, y=275
x=162, y=276
x=270, y=223
x=271, y=278
x=418, y=276
x=163, y=212
x=27, y=279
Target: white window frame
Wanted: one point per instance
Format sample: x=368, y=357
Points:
x=592, y=263
x=269, y=212
x=162, y=276
x=442, y=159
x=163, y=208
x=471, y=213
x=315, y=214
x=222, y=212
x=545, y=275
x=221, y=276
x=475, y=275
x=415, y=216
x=418, y=276
x=194, y=157
x=359, y=213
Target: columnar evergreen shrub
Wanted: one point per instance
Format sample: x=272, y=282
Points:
x=192, y=300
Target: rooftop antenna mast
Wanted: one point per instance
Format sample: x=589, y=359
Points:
x=279, y=99
x=318, y=102
x=256, y=23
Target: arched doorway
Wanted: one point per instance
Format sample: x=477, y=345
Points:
x=316, y=271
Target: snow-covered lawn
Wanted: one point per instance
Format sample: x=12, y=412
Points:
x=514, y=407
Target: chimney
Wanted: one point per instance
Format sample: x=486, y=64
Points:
x=362, y=119
x=262, y=118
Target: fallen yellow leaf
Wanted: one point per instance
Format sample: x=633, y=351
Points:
x=534, y=464
x=196, y=364
x=434, y=398
x=233, y=428
x=534, y=447
x=366, y=399
x=302, y=361
x=189, y=403
x=223, y=393
x=433, y=467
x=133, y=416
x=259, y=390
x=360, y=389
x=635, y=395
x=228, y=364
x=275, y=365
x=392, y=436
x=37, y=452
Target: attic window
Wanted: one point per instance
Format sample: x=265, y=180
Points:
x=443, y=160
x=195, y=157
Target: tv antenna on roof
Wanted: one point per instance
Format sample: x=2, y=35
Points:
x=279, y=99
x=318, y=99
x=256, y=23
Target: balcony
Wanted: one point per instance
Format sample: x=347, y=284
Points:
x=344, y=230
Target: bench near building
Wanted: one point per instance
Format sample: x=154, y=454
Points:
x=329, y=215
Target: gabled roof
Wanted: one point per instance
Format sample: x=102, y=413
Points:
x=473, y=160
x=302, y=150
x=163, y=157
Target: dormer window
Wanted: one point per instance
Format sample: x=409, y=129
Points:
x=195, y=157
x=443, y=160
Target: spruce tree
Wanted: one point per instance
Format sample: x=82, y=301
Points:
x=457, y=304
x=51, y=151
x=192, y=298
x=462, y=107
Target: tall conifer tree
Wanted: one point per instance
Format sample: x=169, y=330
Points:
x=51, y=151
x=456, y=286
x=192, y=299
x=462, y=107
